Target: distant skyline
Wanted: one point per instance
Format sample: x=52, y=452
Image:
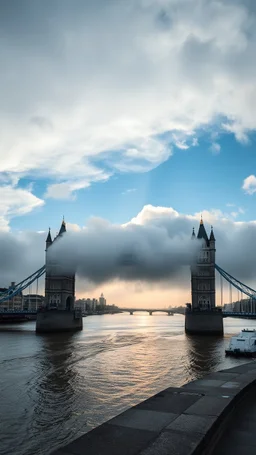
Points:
x=116, y=113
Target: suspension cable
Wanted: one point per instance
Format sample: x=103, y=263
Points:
x=16, y=289
x=236, y=283
x=221, y=290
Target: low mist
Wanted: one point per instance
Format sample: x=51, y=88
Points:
x=103, y=253
x=159, y=250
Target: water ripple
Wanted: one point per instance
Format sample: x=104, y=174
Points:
x=55, y=388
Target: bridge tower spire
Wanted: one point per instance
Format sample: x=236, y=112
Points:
x=62, y=227
x=49, y=239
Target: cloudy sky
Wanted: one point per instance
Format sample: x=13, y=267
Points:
x=139, y=113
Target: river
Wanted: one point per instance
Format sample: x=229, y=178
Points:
x=54, y=388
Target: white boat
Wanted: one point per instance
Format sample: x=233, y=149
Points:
x=243, y=344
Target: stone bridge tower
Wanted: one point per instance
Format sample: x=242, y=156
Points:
x=202, y=316
x=59, y=286
x=203, y=272
x=58, y=314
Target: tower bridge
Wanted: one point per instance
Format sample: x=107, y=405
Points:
x=201, y=316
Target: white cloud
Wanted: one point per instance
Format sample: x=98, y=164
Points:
x=215, y=148
x=150, y=212
x=106, y=79
x=65, y=190
x=240, y=131
x=16, y=201
x=249, y=184
x=68, y=188
x=73, y=227
x=130, y=190
x=184, y=139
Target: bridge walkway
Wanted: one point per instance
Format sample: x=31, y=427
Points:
x=240, y=436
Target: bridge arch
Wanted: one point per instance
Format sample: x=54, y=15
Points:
x=69, y=303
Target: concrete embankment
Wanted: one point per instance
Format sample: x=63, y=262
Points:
x=177, y=421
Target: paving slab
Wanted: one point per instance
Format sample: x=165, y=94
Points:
x=181, y=390
x=247, y=378
x=241, y=368
x=223, y=376
x=175, y=403
x=217, y=392
x=210, y=406
x=143, y=419
x=232, y=385
x=173, y=443
x=168, y=390
x=207, y=383
x=110, y=440
x=192, y=423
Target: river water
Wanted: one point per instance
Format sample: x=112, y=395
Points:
x=54, y=388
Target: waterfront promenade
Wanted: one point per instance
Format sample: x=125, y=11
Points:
x=208, y=416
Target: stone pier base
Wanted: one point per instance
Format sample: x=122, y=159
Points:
x=58, y=321
x=204, y=322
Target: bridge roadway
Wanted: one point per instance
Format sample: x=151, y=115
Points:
x=215, y=415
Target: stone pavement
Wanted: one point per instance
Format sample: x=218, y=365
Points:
x=177, y=421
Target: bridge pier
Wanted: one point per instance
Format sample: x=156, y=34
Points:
x=150, y=313
x=204, y=322
x=58, y=321
x=131, y=313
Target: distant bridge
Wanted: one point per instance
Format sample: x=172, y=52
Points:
x=148, y=310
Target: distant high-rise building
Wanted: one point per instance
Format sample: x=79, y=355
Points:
x=102, y=300
x=33, y=302
x=15, y=302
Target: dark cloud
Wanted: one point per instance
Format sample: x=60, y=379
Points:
x=160, y=250
x=20, y=255
x=147, y=253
